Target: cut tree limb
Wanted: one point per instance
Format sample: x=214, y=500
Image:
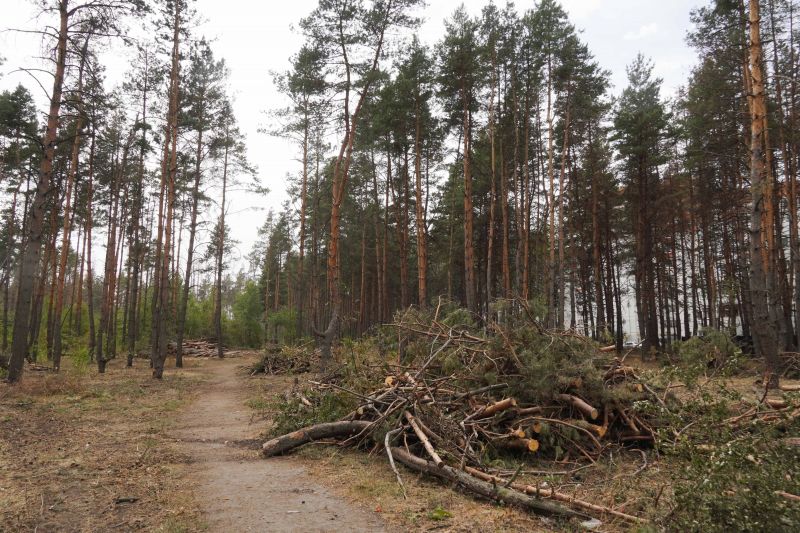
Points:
x=483, y=488
x=308, y=434
x=558, y=496
x=424, y=439
x=788, y=496
x=587, y=410
x=491, y=410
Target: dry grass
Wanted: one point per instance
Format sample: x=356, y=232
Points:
x=75, y=445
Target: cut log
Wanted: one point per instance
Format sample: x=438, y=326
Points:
x=493, y=409
x=788, y=496
x=527, y=411
x=519, y=444
x=483, y=488
x=776, y=403
x=587, y=410
x=329, y=430
x=594, y=428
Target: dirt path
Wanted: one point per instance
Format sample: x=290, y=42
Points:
x=239, y=491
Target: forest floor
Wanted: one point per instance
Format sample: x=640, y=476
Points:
x=122, y=452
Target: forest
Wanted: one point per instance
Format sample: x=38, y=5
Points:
x=491, y=266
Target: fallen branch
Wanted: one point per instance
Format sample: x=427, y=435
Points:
x=295, y=439
x=483, y=488
x=424, y=439
x=558, y=496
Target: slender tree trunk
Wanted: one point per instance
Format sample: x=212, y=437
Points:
x=551, y=279
x=469, y=247
x=89, y=268
x=301, y=248
x=422, y=245
x=763, y=327
x=136, y=253
x=492, y=190
x=181, y=325
x=560, y=272
x=31, y=251
x=221, y=253
x=163, y=247
x=341, y=170
x=66, y=230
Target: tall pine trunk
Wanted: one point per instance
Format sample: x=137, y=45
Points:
x=764, y=332
x=31, y=251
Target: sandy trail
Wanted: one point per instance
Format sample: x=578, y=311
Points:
x=239, y=491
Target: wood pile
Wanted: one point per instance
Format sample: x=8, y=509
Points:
x=196, y=348
x=281, y=360
x=464, y=398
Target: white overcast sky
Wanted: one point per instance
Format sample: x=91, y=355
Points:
x=256, y=37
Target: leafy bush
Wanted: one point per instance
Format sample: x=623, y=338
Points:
x=245, y=329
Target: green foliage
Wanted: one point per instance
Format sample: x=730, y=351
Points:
x=283, y=322
x=734, y=489
x=553, y=364
x=245, y=328
x=293, y=415
x=714, y=349
x=80, y=357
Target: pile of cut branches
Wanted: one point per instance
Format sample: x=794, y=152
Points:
x=281, y=360
x=463, y=396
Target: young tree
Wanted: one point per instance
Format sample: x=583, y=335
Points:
x=203, y=104
x=306, y=87
x=230, y=148
x=18, y=152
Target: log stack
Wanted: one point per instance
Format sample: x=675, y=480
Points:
x=196, y=348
